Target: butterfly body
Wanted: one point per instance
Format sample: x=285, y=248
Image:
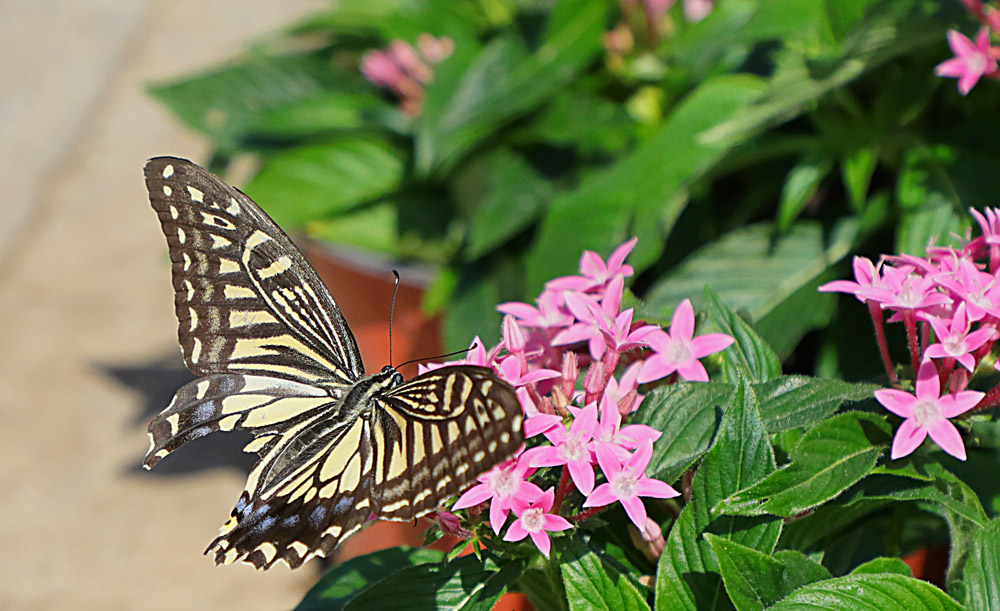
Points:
x=336, y=447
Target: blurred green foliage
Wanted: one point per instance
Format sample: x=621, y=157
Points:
x=752, y=151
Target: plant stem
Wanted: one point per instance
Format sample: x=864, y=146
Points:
x=876, y=313
x=586, y=513
x=562, y=490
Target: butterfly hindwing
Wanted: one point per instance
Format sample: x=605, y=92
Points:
x=437, y=433
x=246, y=299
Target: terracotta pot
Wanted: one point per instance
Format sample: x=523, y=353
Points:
x=929, y=564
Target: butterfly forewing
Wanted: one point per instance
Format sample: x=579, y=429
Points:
x=278, y=359
x=246, y=299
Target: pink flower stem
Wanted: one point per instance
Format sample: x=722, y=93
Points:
x=910, y=320
x=883, y=348
x=946, y=368
x=563, y=490
x=586, y=513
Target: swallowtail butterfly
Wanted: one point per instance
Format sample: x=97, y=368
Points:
x=278, y=359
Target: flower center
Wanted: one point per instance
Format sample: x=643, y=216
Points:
x=954, y=346
x=623, y=486
x=926, y=412
x=533, y=520
x=678, y=352
x=572, y=449
x=504, y=483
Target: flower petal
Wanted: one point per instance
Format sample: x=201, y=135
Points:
x=948, y=438
x=682, y=323
x=474, y=496
x=896, y=401
x=710, y=343
x=541, y=541
x=582, y=475
x=600, y=497
x=498, y=515
x=655, y=488
x=516, y=532
x=636, y=511
x=554, y=523
x=908, y=438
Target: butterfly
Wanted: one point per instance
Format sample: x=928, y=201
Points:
x=278, y=359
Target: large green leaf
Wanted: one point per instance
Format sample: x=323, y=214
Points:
x=501, y=194
x=319, y=180
x=642, y=193
x=829, y=458
x=755, y=580
x=687, y=413
x=753, y=268
x=688, y=571
x=881, y=591
x=982, y=573
x=345, y=581
x=593, y=582
x=503, y=81
x=796, y=401
x=749, y=355
x=466, y=583
x=225, y=103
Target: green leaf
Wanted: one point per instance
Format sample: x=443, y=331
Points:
x=828, y=459
x=320, y=180
x=933, y=484
x=749, y=354
x=687, y=414
x=800, y=79
x=225, y=103
x=800, y=187
x=856, y=170
x=466, y=583
x=982, y=572
x=582, y=119
x=797, y=401
x=593, y=582
x=884, y=591
x=644, y=192
x=504, y=81
x=326, y=111
x=843, y=14
x=752, y=578
x=803, y=311
x=688, y=572
x=781, y=266
x=544, y=588
x=502, y=194
x=345, y=581
x=883, y=565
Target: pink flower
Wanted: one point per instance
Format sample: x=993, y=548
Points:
x=591, y=314
x=612, y=436
x=627, y=482
x=866, y=276
x=476, y=355
x=977, y=289
x=510, y=370
x=548, y=315
x=927, y=413
x=679, y=350
x=629, y=383
x=971, y=61
x=535, y=521
x=595, y=272
x=954, y=339
x=570, y=448
x=507, y=485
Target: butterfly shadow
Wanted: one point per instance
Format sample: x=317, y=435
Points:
x=155, y=382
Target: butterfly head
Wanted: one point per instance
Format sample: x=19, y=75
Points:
x=392, y=376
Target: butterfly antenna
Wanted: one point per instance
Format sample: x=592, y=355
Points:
x=440, y=356
x=392, y=311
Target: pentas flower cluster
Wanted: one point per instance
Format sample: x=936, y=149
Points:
x=949, y=304
x=976, y=58
x=576, y=360
x=406, y=70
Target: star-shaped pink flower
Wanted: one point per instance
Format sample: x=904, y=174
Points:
x=954, y=339
x=971, y=61
x=570, y=448
x=507, y=485
x=535, y=521
x=927, y=413
x=679, y=350
x=596, y=272
x=627, y=482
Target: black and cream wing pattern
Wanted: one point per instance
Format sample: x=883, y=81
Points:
x=276, y=358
